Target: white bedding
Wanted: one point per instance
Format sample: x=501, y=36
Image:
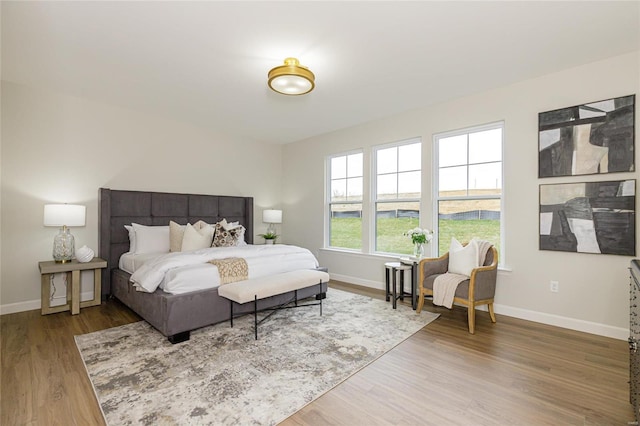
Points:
x=182, y=272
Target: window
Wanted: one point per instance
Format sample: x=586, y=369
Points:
x=397, y=195
x=468, y=183
x=345, y=201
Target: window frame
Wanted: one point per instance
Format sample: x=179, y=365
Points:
x=374, y=200
x=436, y=199
x=329, y=203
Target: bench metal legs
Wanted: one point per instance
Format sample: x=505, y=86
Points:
x=255, y=316
x=277, y=308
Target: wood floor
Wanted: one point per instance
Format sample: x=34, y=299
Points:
x=509, y=373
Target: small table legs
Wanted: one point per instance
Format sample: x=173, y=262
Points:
x=392, y=269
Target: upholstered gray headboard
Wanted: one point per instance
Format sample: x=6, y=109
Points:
x=119, y=208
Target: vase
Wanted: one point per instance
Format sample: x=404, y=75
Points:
x=418, y=250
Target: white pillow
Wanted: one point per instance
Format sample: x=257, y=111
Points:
x=195, y=239
x=151, y=239
x=176, y=234
x=463, y=259
x=228, y=226
x=132, y=238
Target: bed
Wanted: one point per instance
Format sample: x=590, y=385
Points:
x=173, y=315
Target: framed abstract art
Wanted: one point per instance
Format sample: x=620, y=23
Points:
x=589, y=217
x=586, y=139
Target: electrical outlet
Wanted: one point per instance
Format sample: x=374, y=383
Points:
x=554, y=286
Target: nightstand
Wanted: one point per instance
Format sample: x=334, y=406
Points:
x=72, y=269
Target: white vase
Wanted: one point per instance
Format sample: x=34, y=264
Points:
x=269, y=241
x=84, y=254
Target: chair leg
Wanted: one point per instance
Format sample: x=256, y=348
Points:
x=420, y=302
x=491, y=313
x=471, y=315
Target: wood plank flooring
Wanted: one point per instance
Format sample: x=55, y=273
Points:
x=509, y=373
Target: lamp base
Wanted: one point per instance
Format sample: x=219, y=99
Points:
x=63, y=246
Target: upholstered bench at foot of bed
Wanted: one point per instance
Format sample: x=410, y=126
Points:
x=255, y=289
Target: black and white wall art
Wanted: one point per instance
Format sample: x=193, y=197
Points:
x=589, y=217
x=587, y=139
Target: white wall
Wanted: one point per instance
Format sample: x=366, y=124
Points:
x=594, y=289
x=57, y=148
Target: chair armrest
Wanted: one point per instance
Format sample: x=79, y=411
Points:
x=482, y=283
x=431, y=266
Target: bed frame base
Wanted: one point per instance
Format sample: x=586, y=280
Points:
x=179, y=337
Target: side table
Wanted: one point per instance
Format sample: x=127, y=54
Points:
x=392, y=270
x=413, y=262
x=72, y=269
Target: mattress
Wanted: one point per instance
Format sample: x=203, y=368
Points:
x=184, y=272
x=130, y=262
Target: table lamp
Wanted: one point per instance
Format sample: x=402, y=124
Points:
x=65, y=216
x=271, y=217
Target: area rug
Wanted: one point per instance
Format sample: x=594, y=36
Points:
x=223, y=376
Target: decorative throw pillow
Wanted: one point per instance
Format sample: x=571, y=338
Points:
x=463, y=259
x=176, y=234
x=228, y=226
x=240, y=230
x=151, y=239
x=228, y=238
x=195, y=239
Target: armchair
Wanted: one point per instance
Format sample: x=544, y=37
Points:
x=479, y=289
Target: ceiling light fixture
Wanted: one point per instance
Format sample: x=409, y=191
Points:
x=291, y=78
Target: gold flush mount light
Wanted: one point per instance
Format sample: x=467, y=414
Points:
x=291, y=78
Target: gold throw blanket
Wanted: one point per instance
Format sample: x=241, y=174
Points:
x=231, y=269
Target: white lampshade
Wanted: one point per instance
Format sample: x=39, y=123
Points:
x=64, y=215
x=272, y=216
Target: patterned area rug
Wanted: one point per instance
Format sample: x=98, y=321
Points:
x=223, y=376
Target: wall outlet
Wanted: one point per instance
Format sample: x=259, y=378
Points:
x=554, y=286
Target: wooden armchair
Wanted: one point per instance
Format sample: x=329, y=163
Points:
x=479, y=289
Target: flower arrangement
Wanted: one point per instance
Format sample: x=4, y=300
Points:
x=419, y=235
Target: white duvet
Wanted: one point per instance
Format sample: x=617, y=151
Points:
x=182, y=272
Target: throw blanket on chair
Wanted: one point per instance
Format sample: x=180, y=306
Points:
x=445, y=285
x=231, y=269
x=444, y=288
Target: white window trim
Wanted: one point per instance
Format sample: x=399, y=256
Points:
x=436, y=186
x=327, y=198
x=374, y=192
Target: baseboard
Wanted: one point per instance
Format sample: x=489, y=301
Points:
x=564, y=322
x=540, y=317
x=30, y=305
x=12, y=308
x=357, y=281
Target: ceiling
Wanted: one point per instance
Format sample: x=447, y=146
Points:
x=206, y=63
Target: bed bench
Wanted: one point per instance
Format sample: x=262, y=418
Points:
x=252, y=290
